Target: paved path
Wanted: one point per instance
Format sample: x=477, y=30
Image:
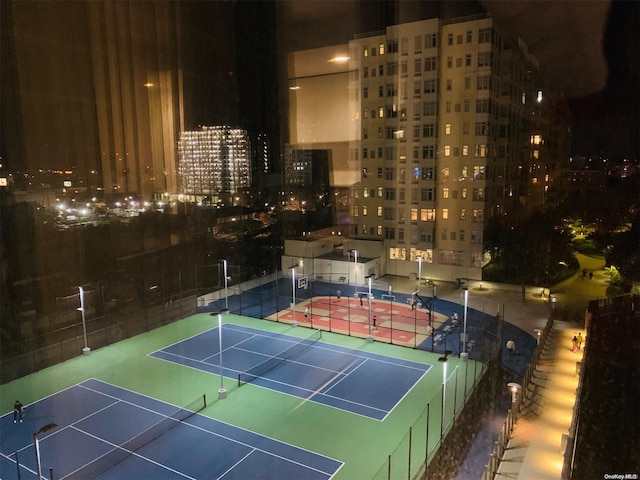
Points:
x=535, y=450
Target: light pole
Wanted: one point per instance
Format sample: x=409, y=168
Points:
x=86, y=350
x=464, y=321
x=515, y=388
x=222, y=392
x=419, y=271
x=294, y=323
x=226, y=279
x=370, y=336
x=444, y=361
x=36, y=444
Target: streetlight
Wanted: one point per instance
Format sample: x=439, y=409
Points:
x=86, y=350
x=515, y=388
x=36, y=444
x=538, y=332
x=464, y=353
x=444, y=359
x=222, y=392
x=293, y=305
x=419, y=271
x=370, y=337
x=226, y=278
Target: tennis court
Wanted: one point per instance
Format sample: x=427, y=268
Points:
x=107, y=432
x=352, y=380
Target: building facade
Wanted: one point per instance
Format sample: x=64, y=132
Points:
x=453, y=131
x=215, y=165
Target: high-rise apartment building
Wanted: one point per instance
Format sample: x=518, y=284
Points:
x=215, y=162
x=453, y=125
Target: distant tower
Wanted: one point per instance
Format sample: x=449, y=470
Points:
x=214, y=164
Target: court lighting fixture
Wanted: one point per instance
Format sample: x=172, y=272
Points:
x=370, y=336
x=294, y=323
x=222, y=392
x=515, y=388
x=226, y=280
x=86, y=350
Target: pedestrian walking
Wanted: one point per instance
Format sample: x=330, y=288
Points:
x=574, y=341
x=580, y=340
x=17, y=411
x=360, y=297
x=590, y=275
x=511, y=347
x=584, y=273
x=375, y=322
x=338, y=294
x=306, y=314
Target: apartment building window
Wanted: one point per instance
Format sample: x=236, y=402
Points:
x=365, y=133
x=404, y=46
x=426, y=194
x=476, y=237
x=449, y=62
x=484, y=59
x=447, y=107
x=445, y=192
x=430, y=108
x=380, y=192
x=380, y=112
x=464, y=171
x=467, y=60
x=469, y=36
x=449, y=84
x=417, y=67
x=401, y=193
x=379, y=229
x=380, y=91
x=416, y=173
x=389, y=173
x=459, y=39
x=401, y=234
x=416, y=92
x=483, y=105
x=481, y=150
x=478, y=172
x=354, y=210
x=364, y=228
x=463, y=214
x=416, y=154
x=463, y=193
x=447, y=129
x=431, y=86
x=392, y=90
x=381, y=70
x=482, y=128
x=428, y=151
x=430, y=64
x=365, y=114
x=447, y=150
x=431, y=40
x=379, y=210
x=452, y=236
x=365, y=51
x=426, y=236
x=404, y=68
x=392, y=46
x=478, y=215
x=364, y=210
x=458, y=62
x=467, y=85
x=428, y=214
x=365, y=154
x=461, y=235
x=483, y=82
x=389, y=193
x=381, y=49
x=380, y=150
x=365, y=192
x=465, y=150
x=389, y=233
x=450, y=39
x=444, y=234
x=484, y=35
x=414, y=214
x=392, y=111
x=427, y=173
x=450, y=257
x=445, y=214
x=478, y=194
x=389, y=213
x=390, y=133
x=379, y=172
x=365, y=72
x=429, y=130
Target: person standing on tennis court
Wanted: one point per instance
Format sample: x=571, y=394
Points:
x=338, y=294
x=375, y=322
x=306, y=314
x=17, y=411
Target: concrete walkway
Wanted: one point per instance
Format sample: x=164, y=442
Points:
x=535, y=450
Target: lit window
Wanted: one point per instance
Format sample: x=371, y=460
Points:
x=447, y=150
x=445, y=213
x=447, y=129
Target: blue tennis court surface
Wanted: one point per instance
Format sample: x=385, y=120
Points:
x=359, y=382
x=94, y=418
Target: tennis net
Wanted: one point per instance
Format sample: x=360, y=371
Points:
x=120, y=453
x=272, y=362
